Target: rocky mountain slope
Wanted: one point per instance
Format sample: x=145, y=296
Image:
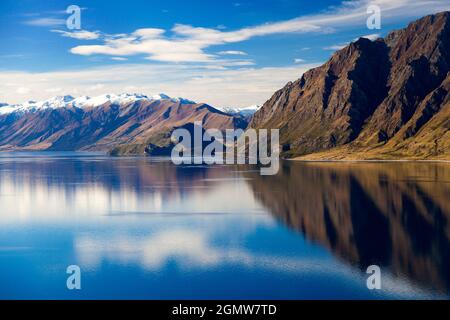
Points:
x=103, y=123
x=382, y=99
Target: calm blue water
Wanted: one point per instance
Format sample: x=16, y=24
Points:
x=146, y=229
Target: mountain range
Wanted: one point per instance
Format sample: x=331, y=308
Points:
x=382, y=99
x=129, y=122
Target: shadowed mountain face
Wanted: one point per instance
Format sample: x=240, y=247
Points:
x=394, y=215
x=133, y=124
x=391, y=94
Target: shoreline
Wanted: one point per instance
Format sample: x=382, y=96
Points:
x=368, y=160
x=103, y=153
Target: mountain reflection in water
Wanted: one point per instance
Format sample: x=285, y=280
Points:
x=232, y=232
x=390, y=214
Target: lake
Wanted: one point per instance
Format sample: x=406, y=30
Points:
x=142, y=228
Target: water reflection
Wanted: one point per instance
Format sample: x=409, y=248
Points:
x=221, y=232
x=53, y=186
x=394, y=215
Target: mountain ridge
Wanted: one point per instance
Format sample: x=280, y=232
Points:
x=355, y=105
x=85, y=101
x=103, y=123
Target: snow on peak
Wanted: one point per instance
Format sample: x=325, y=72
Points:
x=244, y=111
x=85, y=101
x=183, y=100
x=80, y=101
x=163, y=96
x=160, y=96
x=55, y=102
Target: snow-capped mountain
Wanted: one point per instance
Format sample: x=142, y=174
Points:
x=125, y=121
x=163, y=96
x=85, y=101
x=245, y=112
x=116, y=99
x=31, y=105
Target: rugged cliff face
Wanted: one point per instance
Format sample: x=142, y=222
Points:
x=372, y=99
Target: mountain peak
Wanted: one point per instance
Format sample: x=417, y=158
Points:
x=86, y=101
x=366, y=93
x=161, y=96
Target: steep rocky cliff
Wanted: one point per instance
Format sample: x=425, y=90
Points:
x=387, y=98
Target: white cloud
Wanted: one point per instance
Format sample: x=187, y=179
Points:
x=298, y=60
x=237, y=63
x=45, y=22
x=22, y=90
x=213, y=83
x=53, y=90
x=119, y=58
x=188, y=43
x=151, y=42
x=233, y=52
x=336, y=47
x=80, y=35
x=98, y=86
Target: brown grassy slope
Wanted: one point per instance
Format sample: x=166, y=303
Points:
x=426, y=136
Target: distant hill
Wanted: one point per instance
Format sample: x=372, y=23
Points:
x=382, y=99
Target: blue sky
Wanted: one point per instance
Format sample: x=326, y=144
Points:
x=226, y=53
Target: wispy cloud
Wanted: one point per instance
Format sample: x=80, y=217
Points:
x=335, y=47
x=22, y=90
x=189, y=43
x=13, y=56
x=53, y=90
x=48, y=18
x=80, y=35
x=233, y=52
x=213, y=84
x=45, y=22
